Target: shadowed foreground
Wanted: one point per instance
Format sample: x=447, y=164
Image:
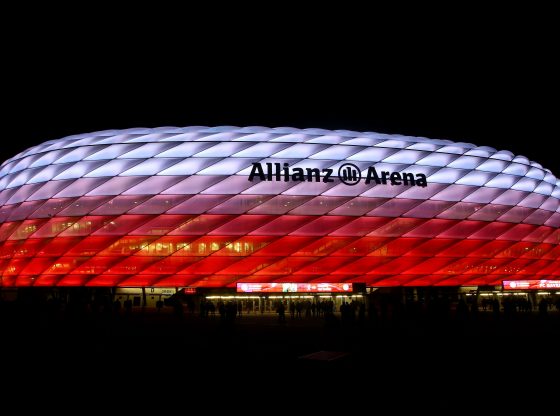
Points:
x=409, y=363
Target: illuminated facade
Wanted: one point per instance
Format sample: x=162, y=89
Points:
x=212, y=207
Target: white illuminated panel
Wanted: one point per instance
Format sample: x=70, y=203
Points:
x=47, y=173
x=502, y=181
x=437, y=159
x=502, y=155
x=447, y=175
x=77, y=170
x=466, y=162
x=430, y=147
x=184, y=149
x=544, y=188
x=297, y=151
x=492, y=166
x=550, y=178
x=23, y=164
x=146, y=151
x=20, y=178
x=111, y=168
x=525, y=184
x=111, y=152
x=150, y=167
x=263, y=149
x=294, y=287
x=516, y=169
x=395, y=144
x=48, y=158
x=405, y=156
x=535, y=173
x=372, y=155
x=452, y=149
x=480, y=151
x=476, y=178
x=227, y=166
x=78, y=154
x=336, y=152
x=223, y=149
x=189, y=166
x=531, y=284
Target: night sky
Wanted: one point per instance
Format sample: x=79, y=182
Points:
x=484, y=107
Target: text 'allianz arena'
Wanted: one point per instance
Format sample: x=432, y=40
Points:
x=211, y=207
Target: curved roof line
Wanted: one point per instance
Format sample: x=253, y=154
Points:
x=258, y=134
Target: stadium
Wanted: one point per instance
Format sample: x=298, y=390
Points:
x=254, y=210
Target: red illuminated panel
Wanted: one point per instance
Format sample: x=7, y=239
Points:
x=324, y=246
x=105, y=280
x=244, y=246
x=210, y=265
x=36, y=266
x=161, y=225
x=176, y=280
x=126, y=246
x=96, y=265
x=539, y=234
x=7, y=228
x=73, y=280
x=26, y=228
x=132, y=265
x=322, y=225
x=170, y=265
x=285, y=246
x=397, y=247
x=287, y=265
x=57, y=246
x=89, y=246
x=203, y=246
x=250, y=265
x=362, y=247
x=164, y=246
x=361, y=226
x=122, y=224
x=201, y=225
x=530, y=284
x=325, y=263
x=294, y=287
x=64, y=265
x=242, y=225
x=139, y=281
x=362, y=265
x=431, y=247
x=46, y=280
x=29, y=248
x=282, y=225
x=15, y=267
x=85, y=226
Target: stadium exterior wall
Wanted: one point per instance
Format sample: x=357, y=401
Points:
x=213, y=207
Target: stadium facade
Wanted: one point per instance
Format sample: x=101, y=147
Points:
x=257, y=207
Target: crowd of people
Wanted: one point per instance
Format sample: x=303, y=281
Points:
x=384, y=307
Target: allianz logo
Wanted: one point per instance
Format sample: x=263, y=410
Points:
x=348, y=173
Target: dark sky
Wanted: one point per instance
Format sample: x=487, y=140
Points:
x=489, y=105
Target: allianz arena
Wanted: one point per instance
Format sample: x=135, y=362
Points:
x=214, y=207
